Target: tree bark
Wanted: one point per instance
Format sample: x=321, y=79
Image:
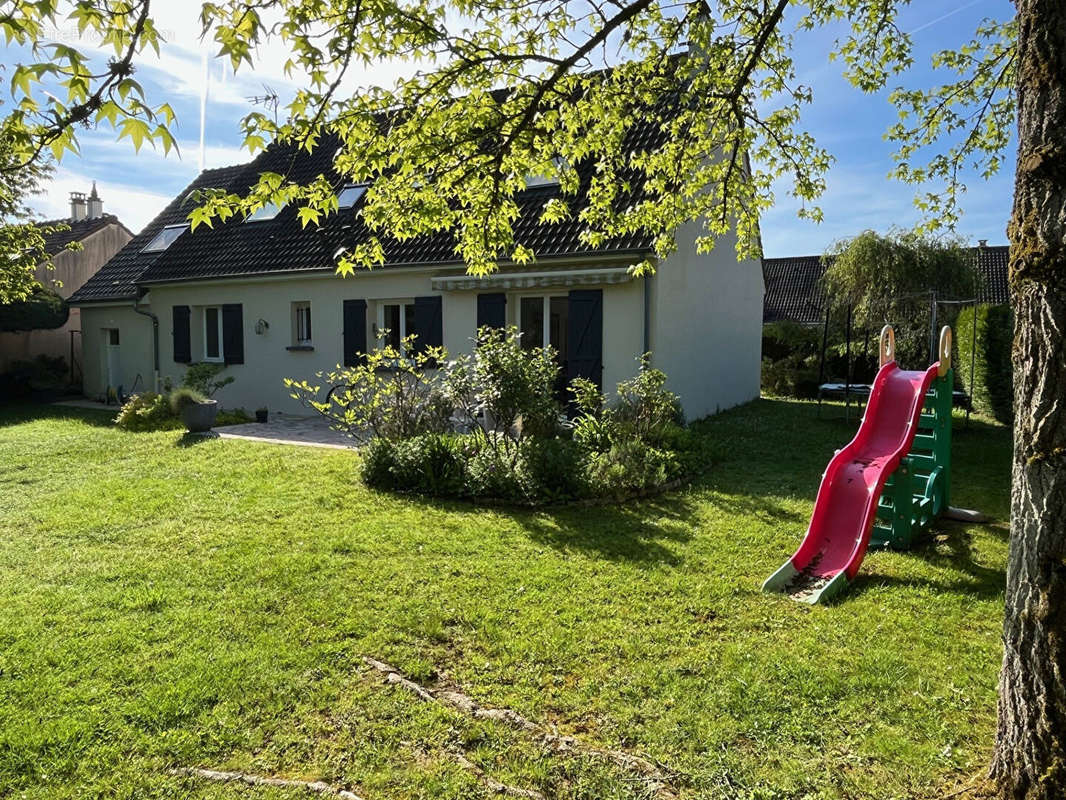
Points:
x=1030, y=755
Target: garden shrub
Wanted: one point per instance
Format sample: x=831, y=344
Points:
x=387, y=396
x=182, y=397
x=993, y=386
x=203, y=378
x=488, y=426
x=632, y=465
x=504, y=389
x=147, y=411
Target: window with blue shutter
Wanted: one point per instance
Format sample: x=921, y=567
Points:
x=354, y=332
x=233, y=333
x=182, y=335
x=429, y=322
x=584, y=339
x=492, y=310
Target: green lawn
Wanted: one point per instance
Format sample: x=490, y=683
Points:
x=167, y=606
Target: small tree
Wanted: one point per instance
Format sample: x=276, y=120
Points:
x=504, y=392
x=892, y=279
x=388, y=396
x=203, y=378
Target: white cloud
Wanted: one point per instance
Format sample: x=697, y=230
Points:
x=133, y=205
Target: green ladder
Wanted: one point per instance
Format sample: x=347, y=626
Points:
x=919, y=489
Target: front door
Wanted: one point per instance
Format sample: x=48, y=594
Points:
x=112, y=358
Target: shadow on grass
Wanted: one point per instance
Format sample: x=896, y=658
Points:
x=949, y=547
x=19, y=413
x=639, y=530
x=193, y=439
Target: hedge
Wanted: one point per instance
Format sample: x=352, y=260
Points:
x=992, y=390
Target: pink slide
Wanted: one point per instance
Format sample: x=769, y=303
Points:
x=844, y=511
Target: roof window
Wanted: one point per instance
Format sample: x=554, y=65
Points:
x=350, y=194
x=165, y=238
x=269, y=211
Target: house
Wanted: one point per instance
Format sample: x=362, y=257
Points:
x=793, y=292
x=101, y=236
x=261, y=295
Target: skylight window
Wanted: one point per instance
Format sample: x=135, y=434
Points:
x=269, y=211
x=544, y=180
x=165, y=238
x=350, y=194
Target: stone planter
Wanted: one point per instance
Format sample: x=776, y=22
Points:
x=200, y=417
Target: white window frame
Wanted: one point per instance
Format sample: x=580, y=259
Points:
x=221, y=357
x=379, y=324
x=299, y=306
x=148, y=248
x=546, y=313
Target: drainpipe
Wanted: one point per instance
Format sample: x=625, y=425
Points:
x=647, y=314
x=155, y=343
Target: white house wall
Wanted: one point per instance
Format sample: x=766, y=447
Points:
x=706, y=330
x=267, y=362
x=134, y=349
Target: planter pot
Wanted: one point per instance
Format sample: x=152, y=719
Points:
x=200, y=417
x=261, y=415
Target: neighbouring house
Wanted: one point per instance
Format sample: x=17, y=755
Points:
x=101, y=236
x=261, y=296
x=793, y=292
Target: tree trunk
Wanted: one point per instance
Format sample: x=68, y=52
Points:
x=1030, y=756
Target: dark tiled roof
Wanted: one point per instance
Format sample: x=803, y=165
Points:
x=76, y=231
x=992, y=267
x=117, y=279
x=792, y=291
x=282, y=245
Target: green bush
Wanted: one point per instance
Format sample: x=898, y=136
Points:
x=182, y=397
x=630, y=466
x=431, y=464
x=147, y=411
x=992, y=388
x=203, y=378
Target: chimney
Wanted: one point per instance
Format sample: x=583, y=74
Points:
x=77, y=206
x=96, y=205
x=982, y=242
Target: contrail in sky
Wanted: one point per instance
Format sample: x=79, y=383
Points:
x=943, y=17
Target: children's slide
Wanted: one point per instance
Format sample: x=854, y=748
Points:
x=847, y=501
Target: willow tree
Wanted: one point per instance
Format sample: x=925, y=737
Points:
x=499, y=89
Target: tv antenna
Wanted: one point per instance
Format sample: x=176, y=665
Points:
x=269, y=100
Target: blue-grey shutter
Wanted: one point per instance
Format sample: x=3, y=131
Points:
x=492, y=310
x=584, y=336
x=182, y=335
x=233, y=333
x=354, y=332
x=429, y=322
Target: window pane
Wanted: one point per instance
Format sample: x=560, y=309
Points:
x=112, y=336
x=349, y=195
x=409, y=321
x=211, y=332
x=531, y=312
x=391, y=319
x=557, y=325
x=165, y=238
x=269, y=211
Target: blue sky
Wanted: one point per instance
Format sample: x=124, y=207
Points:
x=849, y=124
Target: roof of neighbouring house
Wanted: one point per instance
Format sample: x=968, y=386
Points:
x=793, y=293
x=237, y=249
x=117, y=279
x=76, y=231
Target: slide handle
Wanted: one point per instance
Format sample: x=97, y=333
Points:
x=888, y=345
x=945, y=351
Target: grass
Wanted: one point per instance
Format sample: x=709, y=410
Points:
x=209, y=605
